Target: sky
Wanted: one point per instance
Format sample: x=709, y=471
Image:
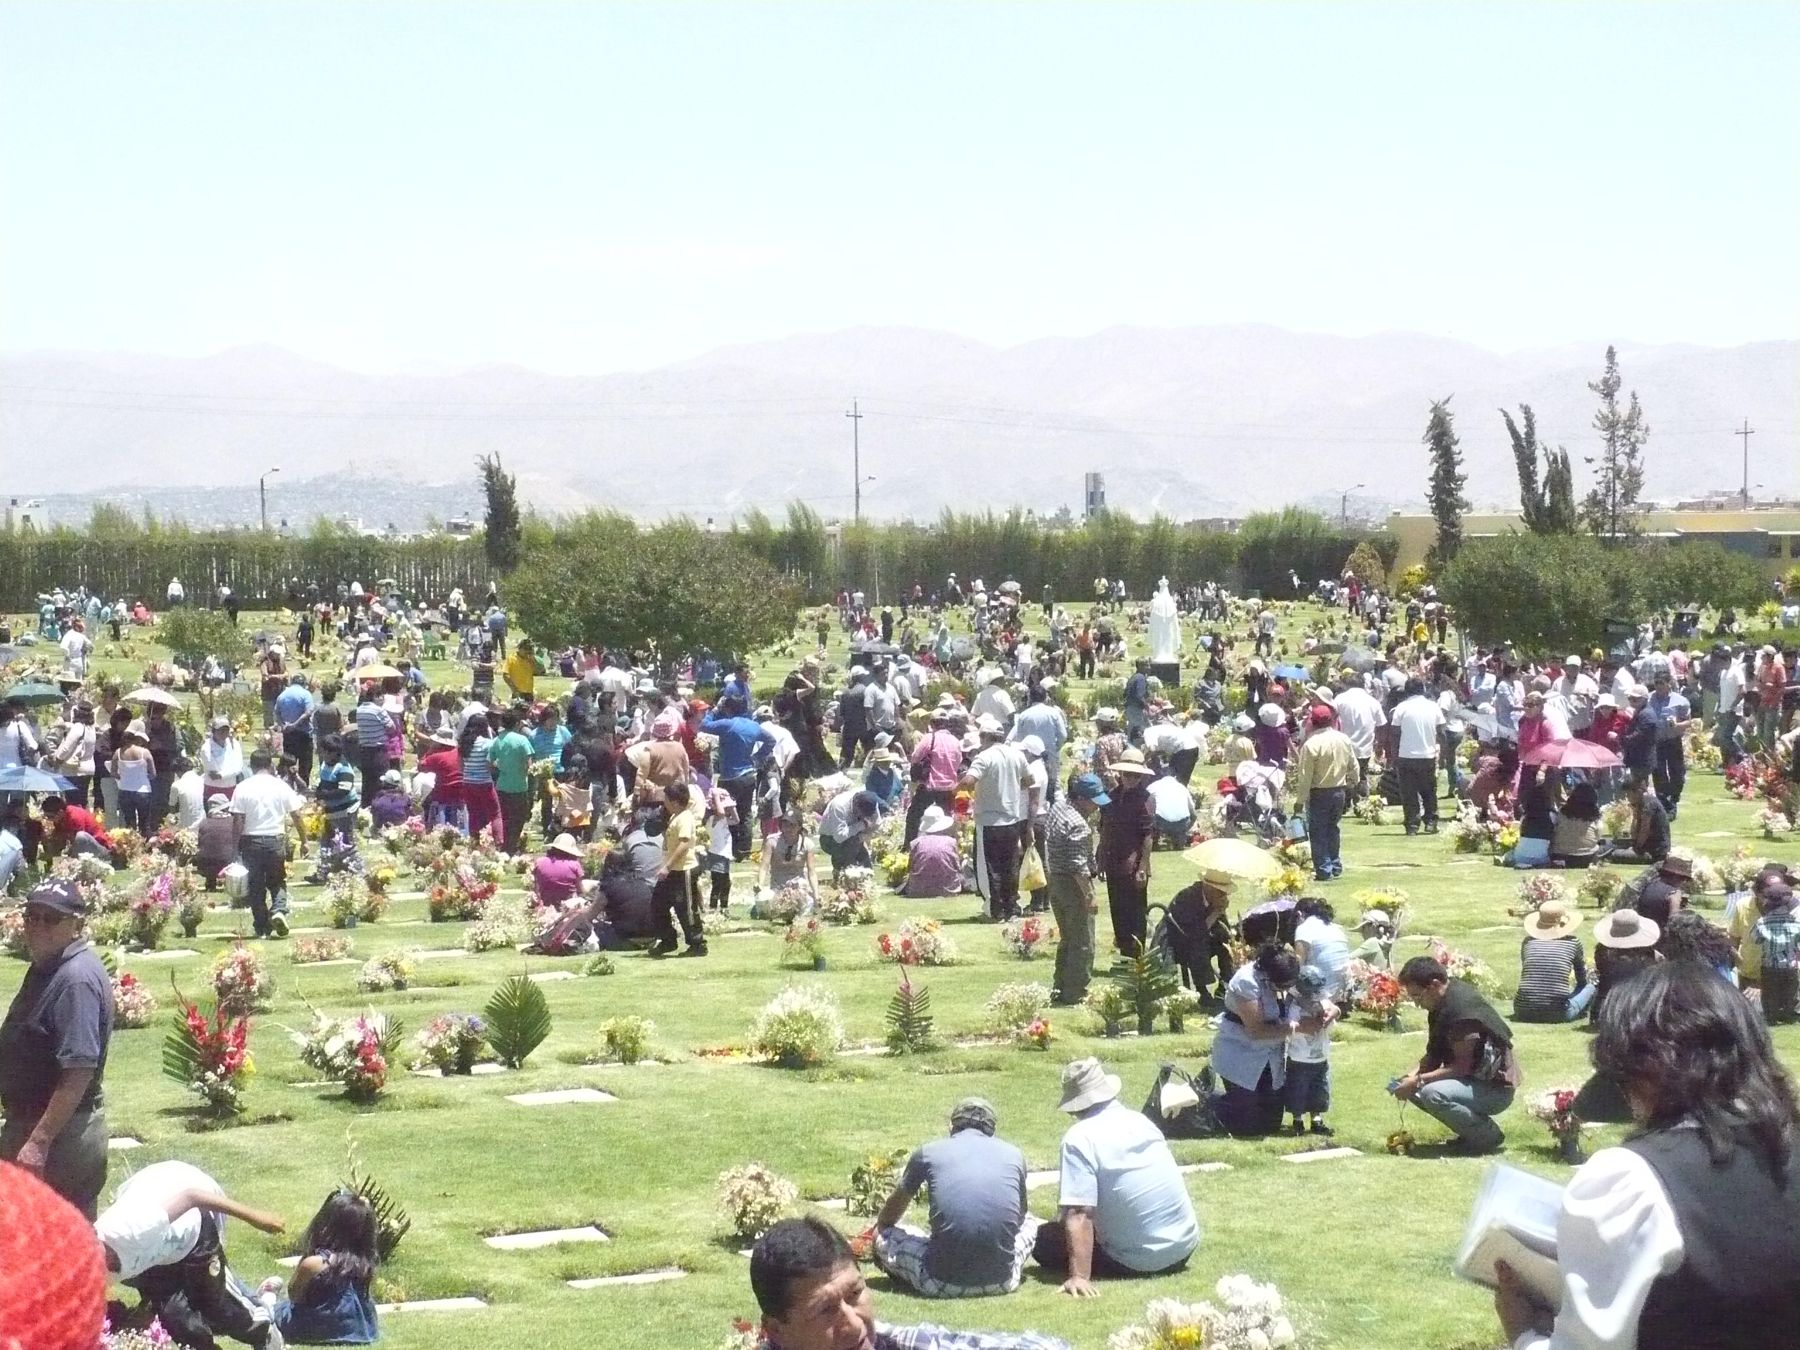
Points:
x=588, y=187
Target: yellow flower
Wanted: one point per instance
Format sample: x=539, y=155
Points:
x=1187, y=1338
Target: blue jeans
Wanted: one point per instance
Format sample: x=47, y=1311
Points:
x=1324, y=811
x=1467, y=1108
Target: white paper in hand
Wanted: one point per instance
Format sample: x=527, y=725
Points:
x=1514, y=1220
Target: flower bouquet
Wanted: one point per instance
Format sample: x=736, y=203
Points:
x=1036, y=1035
x=505, y=921
x=1012, y=1008
x=1775, y=823
x=1295, y=853
x=1739, y=871
x=210, y=1056
x=752, y=1198
x=1600, y=887
x=1460, y=965
x=896, y=868
x=1112, y=1005
x=1290, y=880
x=1373, y=810
x=593, y=858
x=850, y=901
x=1615, y=819
x=744, y=1335
x=451, y=1043
x=381, y=877
x=133, y=1003
x=1024, y=936
x=872, y=1180
x=799, y=1028
x=1555, y=1107
x=1707, y=878
x=241, y=982
x=353, y=1051
x=390, y=970
x=1391, y=900
x=805, y=941
x=1469, y=833
x=917, y=942
x=127, y=844
x=12, y=931
x=350, y=900
x=459, y=893
x=1246, y=1316
x=1178, y=1007
x=1375, y=995
x=178, y=846
x=1536, y=890
x=152, y=1337
x=310, y=951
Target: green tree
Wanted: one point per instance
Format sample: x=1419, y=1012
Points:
x=1693, y=572
x=1447, y=478
x=1610, y=509
x=501, y=537
x=109, y=521
x=1365, y=561
x=1540, y=593
x=1549, y=509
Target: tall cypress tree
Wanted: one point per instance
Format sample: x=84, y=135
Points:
x=1447, y=478
x=500, y=540
x=1548, y=508
x=1610, y=508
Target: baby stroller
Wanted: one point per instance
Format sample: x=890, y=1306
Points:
x=1252, y=797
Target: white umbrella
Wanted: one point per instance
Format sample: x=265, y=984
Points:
x=151, y=694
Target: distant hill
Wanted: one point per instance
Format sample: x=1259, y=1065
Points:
x=1192, y=422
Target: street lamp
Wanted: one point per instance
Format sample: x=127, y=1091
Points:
x=262, y=495
x=1344, y=506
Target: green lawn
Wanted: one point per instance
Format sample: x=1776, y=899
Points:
x=1361, y=1246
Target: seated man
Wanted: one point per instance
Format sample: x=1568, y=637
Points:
x=1649, y=840
x=1659, y=892
x=627, y=881
x=73, y=828
x=981, y=1226
x=1174, y=807
x=1470, y=1070
x=813, y=1297
x=1125, y=1208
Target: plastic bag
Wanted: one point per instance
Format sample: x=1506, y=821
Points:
x=1031, y=872
x=235, y=878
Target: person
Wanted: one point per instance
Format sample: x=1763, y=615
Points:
x=934, y=863
x=521, y=671
x=882, y=776
x=1308, y=1091
x=335, y=792
x=73, y=829
x=1320, y=941
x=1776, y=941
x=1043, y=719
x=73, y=755
x=812, y=1296
x=1249, y=1052
x=164, y=1236
x=743, y=742
x=293, y=712
x=1553, y=976
x=787, y=856
x=1378, y=933
x=1419, y=722
x=53, y=1046
x=187, y=794
x=1173, y=806
x=1670, y=713
x=628, y=881
x=12, y=843
x=509, y=761
x=1326, y=772
x=1650, y=837
x=1687, y=1234
x=1001, y=808
x=134, y=770
x=18, y=742
x=981, y=1230
x=937, y=762
x=1470, y=1070
x=1660, y=894
x=373, y=725
x=328, y=1300
x=556, y=877
x=1273, y=742
x=1127, y=825
x=1575, y=840
x=477, y=793
x=1625, y=942
x=393, y=804
x=674, y=886
x=1123, y=1207
x=262, y=807
x=1070, y=870
x=52, y=1277
x=440, y=757
x=848, y=820
x=720, y=824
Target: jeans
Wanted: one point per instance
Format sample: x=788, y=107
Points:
x=1324, y=811
x=1308, y=1087
x=742, y=791
x=1002, y=848
x=265, y=856
x=1467, y=1108
x=299, y=744
x=515, y=810
x=134, y=811
x=1246, y=1112
x=1072, y=904
x=1726, y=738
x=371, y=763
x=1573, y=1009
x=1418, y=791
x=1670, y=774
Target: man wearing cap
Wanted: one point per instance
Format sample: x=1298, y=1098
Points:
x=1001, y=808
x=1069, y=867
x=981, y=1225
x=1326, y=770
x=53, y=1051
x=1124, y=1207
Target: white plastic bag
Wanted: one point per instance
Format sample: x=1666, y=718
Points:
x=235, y=877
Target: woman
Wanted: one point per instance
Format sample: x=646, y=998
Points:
x=221, y=759
x=105, y=743
x=934, y=864
x=478, y=795
x=1689, y=1233
x=1249, y=1053
x=1549, y=959
x=1321, y=942
x=73, y=756
x=1624, y=944
x=1490, y=790
x=134, y=768
x=556, y=877
x=441, y=759
x=1575, y=842
x=787, y=856
x=1271, y=738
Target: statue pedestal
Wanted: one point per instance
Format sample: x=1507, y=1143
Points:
x=1169, y=672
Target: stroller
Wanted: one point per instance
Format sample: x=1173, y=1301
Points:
x=1252, y=797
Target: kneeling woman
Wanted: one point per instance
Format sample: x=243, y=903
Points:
x=1249, y=1054
x=1688, y=1234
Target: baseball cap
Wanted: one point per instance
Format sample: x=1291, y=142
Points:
x=64, y=897
x=1089, y=788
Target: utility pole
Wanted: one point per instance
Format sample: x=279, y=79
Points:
x=1747, y=431
x=262, y=494
x=856, y=454
x=1344, y=505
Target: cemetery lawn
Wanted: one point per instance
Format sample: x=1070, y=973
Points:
x=1360, y=1246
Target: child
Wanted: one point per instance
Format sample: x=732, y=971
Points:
x=393, y=804
x=337, y=797
x=673, y=897
x=328, y=1302
x=572, y=797
x=1309, y=1054
x=721, y=815
x=1776, y=941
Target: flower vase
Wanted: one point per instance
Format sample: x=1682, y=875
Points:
x=1146, y=1025
x=1177, y=1024
x=350, y=921
x=819, y=961
x=465, y=1061
x=1568, y=1148
x=190, y=928
x=1393, y=1021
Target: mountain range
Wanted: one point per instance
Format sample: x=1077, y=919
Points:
x=1194, y=422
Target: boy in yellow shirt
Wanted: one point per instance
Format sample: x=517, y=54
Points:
x=521, y=671
x=674, y=896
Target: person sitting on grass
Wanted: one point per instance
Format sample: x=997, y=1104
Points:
x=393, y=804
x=1470, y=1069
x=934, y=863
x=1649, y=840
x=812, y=1296
x=1553, y=975
x=556, y=877
x=328, y=1301
x=1125, y=1210
x=981, y=1225
x=1576, y=840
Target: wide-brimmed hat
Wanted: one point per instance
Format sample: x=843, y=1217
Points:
x=988, y=725
x=1132, y=761
x=1375, y=918
x=564, y=844
x=137, y=728
x=1552, y=919
x=1243, y=722
x=1106, y=716
x=936, y=820
x=1676, y=866
x=1085, y=1083
x=1625, y=929
x=883, y=755
x=1033, y=746
x=443, y=736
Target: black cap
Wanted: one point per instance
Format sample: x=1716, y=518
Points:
x=64, y=897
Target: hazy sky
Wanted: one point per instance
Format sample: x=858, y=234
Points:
x=589, y=187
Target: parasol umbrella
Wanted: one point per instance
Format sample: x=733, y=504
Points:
x=1289, y=672
x=1009, y=588
x=33, y=693
x=1486, y=726
x=1234, y=857
x=1360, y=659
x=387, y=584
x=1572, y=754
x=151, y=694
x=24, y=778
x=375, y=672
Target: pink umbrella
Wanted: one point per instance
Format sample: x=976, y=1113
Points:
x=1576, y=754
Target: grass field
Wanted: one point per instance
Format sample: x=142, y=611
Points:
x=1361, y=1246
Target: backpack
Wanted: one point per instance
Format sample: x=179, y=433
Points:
x=1196, y=1119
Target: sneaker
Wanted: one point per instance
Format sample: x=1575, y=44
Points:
x=661, y=949
x=274, y=1341
x=1297, y=1129
x=278, y=925
x=698, y=949
x=1319, y=1127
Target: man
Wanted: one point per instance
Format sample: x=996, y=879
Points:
x=1771, y=684
x=743, y=742
x=373, y=724
x=1470, y=1069
x=937, y=762
x=53, y=1051
x=1043, y=719
x=1669, y=711
x=261, y=809
x=1418, y=720
x=1173, y=806
x=1266, y=623
x=881, y=705
x=981, y=1225
x=521, y=671
x=294, y=715
x=165, y=749
x=853, y=718
x=1325, y=772
x=1730, y=708
x=73, y=828
x=1001, y=808
x=509, y=759
x=1137, y=701
x=1070, y=870
x=813, y=1297
x=1127, y=830
x=991, y=698
x=1124, y=1207
x=221, y=759
x=845, y=826
x=1573, y=694
x=495, y=623
x=1359, y=716
x=738, y=687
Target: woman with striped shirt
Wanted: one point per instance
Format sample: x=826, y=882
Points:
x=1550, y=958
x=478, y=793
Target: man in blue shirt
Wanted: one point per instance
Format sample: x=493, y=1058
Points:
x=1669, y=711
x=293, y=714
x=738, y=686
x=1137, y=702
x=743, y=741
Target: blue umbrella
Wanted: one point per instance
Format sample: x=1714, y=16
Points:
x=1290, y=672
x=24, y=778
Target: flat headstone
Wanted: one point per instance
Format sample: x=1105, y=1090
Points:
x=546, y=976
x=564, y=1097
x=468, y=1303
x=833, y=1202
x=406, y=895
x=1321, y=1154
x=1034, y=1180
x=334, y=961
x=440, y=953
x=641, y=1277
x=305, y=932
x=548, y=1237
x=319, y=1083
x=123, y=1143
x=1499, y=928
x=478, y=1071
x=744, y=932
x=171, y=954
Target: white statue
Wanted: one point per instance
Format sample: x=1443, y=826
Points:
x=1165, y=626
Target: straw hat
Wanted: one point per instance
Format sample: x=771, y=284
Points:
x=1085, y=1083
x=1271, y=715
x=936, y=820
x=1106, y=716
x=564, y=844
x=443, y=736
x=1625, y=929
x=1132, y=761
x=1552, y=919
x=883, y=756
x=137, y=728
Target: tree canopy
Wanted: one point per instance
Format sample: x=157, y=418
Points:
x=1447, y=478
x=501, y=538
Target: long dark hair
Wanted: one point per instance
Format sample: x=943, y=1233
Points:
x=473, y=729
x=343, y=1232
x=1690, y=1046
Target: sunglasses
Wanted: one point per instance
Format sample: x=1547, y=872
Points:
x=48, y=917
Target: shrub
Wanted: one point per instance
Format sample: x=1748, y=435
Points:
x=872, y=1180
x=627, y=1038
x=752, y=1198
x=1013, y=1007
x=518, y=1020
x=798, y=1028
x=391, y=970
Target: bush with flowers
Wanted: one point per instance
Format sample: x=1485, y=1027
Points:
x=896, y=868
x=1026, y=936
x=917, y=942
x=1599, y=887
x=459, y=892
x=1375, y=995
x=133, y=1003
x=210, y=1056
x=350, y=900
x=1013, y=1007
x=312, y=949
x=241, y=980
x=354, y=1051
x=1245, y=1316
x=1461, y=965
x=1469, y=833
x=1536, y=890
x=390, y=970
x=1738, y=871
x=451, y=1043
x=626, y=1039
x=804, y=941
x=505, y=921
x=851, y=900
x=799, y=1028
x=1390, y=900
x=752, y=1198
x=152, y=1337
x=1707, y=878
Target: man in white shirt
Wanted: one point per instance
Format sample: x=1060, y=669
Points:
x=75, y=648
x=1419, y=721
x=991, y=698
x=1001, y=807
x=1576, y=692
x=1732, y=684
x=1174, y=807
x=221, y=758
x=261, y=808
x=1359, y=716
x=187, y=794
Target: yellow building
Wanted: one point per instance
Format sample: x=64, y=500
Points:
x=1771, y=535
